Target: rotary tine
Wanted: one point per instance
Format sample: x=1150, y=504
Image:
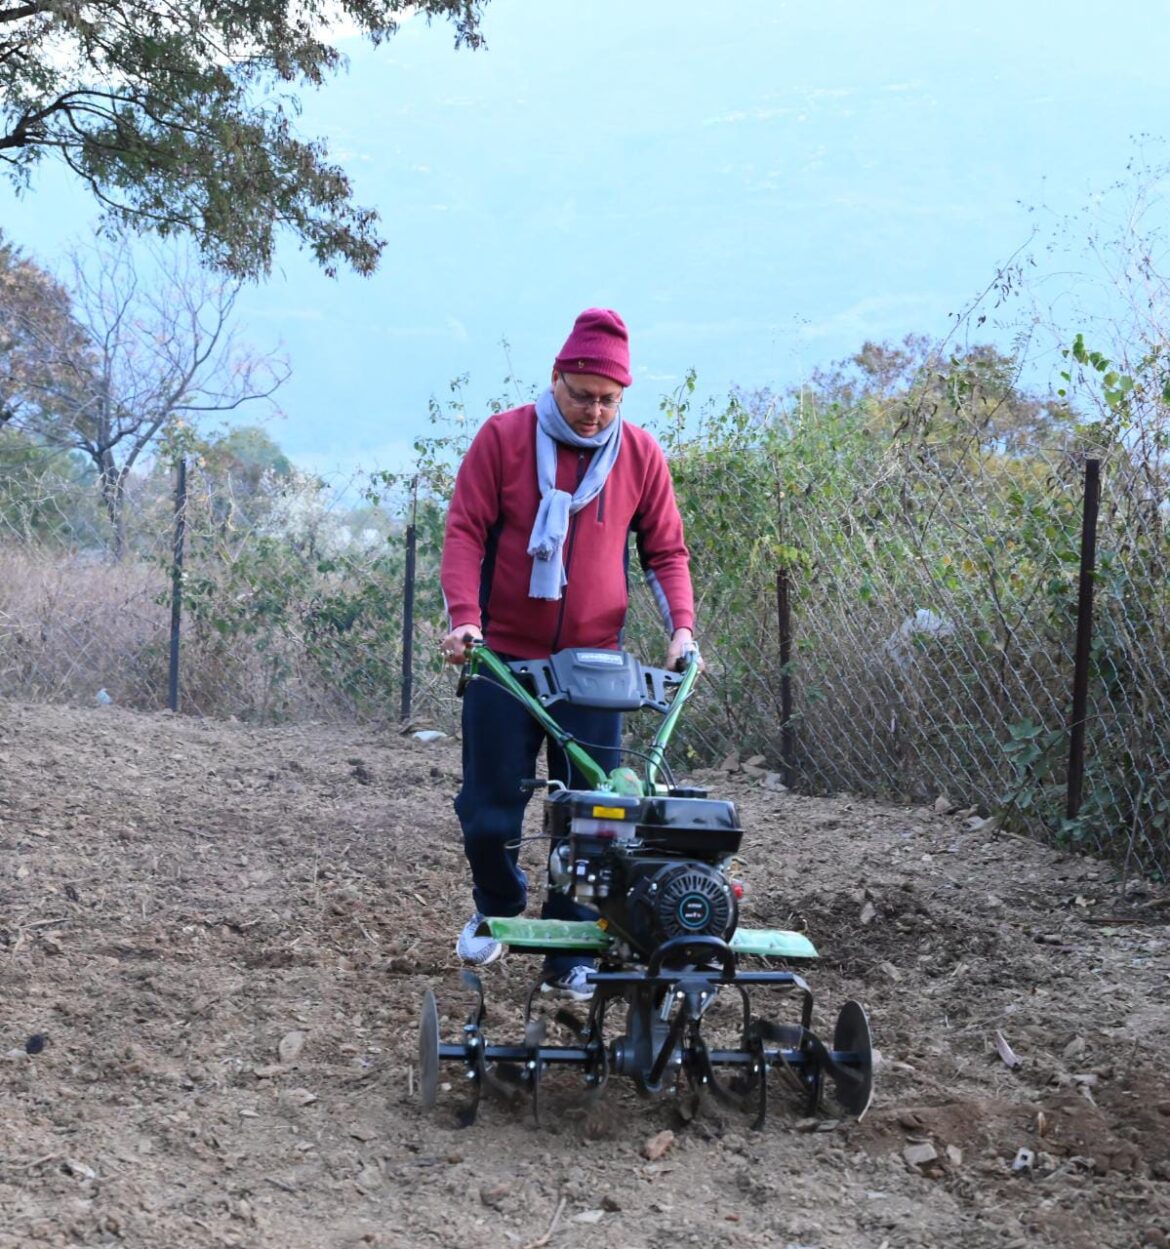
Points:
x=534, y=1034
x=572, y=1021
x=753, y=1088
x=473, y=1051
x=791, y=1037
x=473, y=982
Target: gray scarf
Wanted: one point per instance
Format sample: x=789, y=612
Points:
x=546, y=545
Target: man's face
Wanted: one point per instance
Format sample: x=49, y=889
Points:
x=589, y=403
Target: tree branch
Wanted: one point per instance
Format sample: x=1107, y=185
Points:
x=23, y=10
x=172, y=114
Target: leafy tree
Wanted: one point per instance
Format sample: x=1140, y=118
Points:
x=250, y=452
x=41, y=344
x=236, y=478
x=179, y=117
x=972, y=397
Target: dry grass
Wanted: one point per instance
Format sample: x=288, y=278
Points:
x=70, y=626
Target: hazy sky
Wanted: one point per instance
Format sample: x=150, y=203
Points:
x=757, y=187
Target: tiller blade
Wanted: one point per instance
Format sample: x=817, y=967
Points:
x=662, y=1044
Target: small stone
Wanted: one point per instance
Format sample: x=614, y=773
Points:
x=919, y=1154
x=492, y=1194
x=868, y=913
x=369, y=1178
x=657, y=1146
x=289, y=1049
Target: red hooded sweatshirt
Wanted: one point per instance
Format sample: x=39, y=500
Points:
x=486, y=566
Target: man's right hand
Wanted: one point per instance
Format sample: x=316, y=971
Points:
x=454, y=646
x=682, y=641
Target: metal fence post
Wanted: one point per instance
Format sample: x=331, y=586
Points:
x=408, y=610
x=1080, y=689
x=787, y=736
x=177, y=581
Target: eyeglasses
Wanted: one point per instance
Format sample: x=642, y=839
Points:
x=579, y=399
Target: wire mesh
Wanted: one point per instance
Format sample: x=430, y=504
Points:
x=932, y=576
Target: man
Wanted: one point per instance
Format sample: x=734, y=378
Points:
x=534, y=562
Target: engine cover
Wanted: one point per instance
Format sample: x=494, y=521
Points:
x=683, y=900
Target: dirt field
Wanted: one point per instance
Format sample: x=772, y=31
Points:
x=214, y=940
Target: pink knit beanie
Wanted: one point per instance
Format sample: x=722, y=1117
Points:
x=599, y=343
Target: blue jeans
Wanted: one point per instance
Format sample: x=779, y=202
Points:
x=501, y=741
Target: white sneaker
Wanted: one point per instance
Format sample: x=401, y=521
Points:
x=477, y=950
x=572, y=985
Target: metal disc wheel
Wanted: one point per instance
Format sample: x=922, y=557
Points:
x=428, y=1050
x=853, y=1080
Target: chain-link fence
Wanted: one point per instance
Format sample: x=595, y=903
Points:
x=924, y=560
x=926, y=553
x=291, y=596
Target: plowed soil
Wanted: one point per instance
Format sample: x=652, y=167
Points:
x=214, y=942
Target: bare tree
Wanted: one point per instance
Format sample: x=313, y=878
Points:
x=154, y=344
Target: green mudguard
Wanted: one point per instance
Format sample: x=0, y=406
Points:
x=545, y=934
x=558, y=934
x=772, y=943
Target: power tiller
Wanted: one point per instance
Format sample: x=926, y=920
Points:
x=653, y=859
